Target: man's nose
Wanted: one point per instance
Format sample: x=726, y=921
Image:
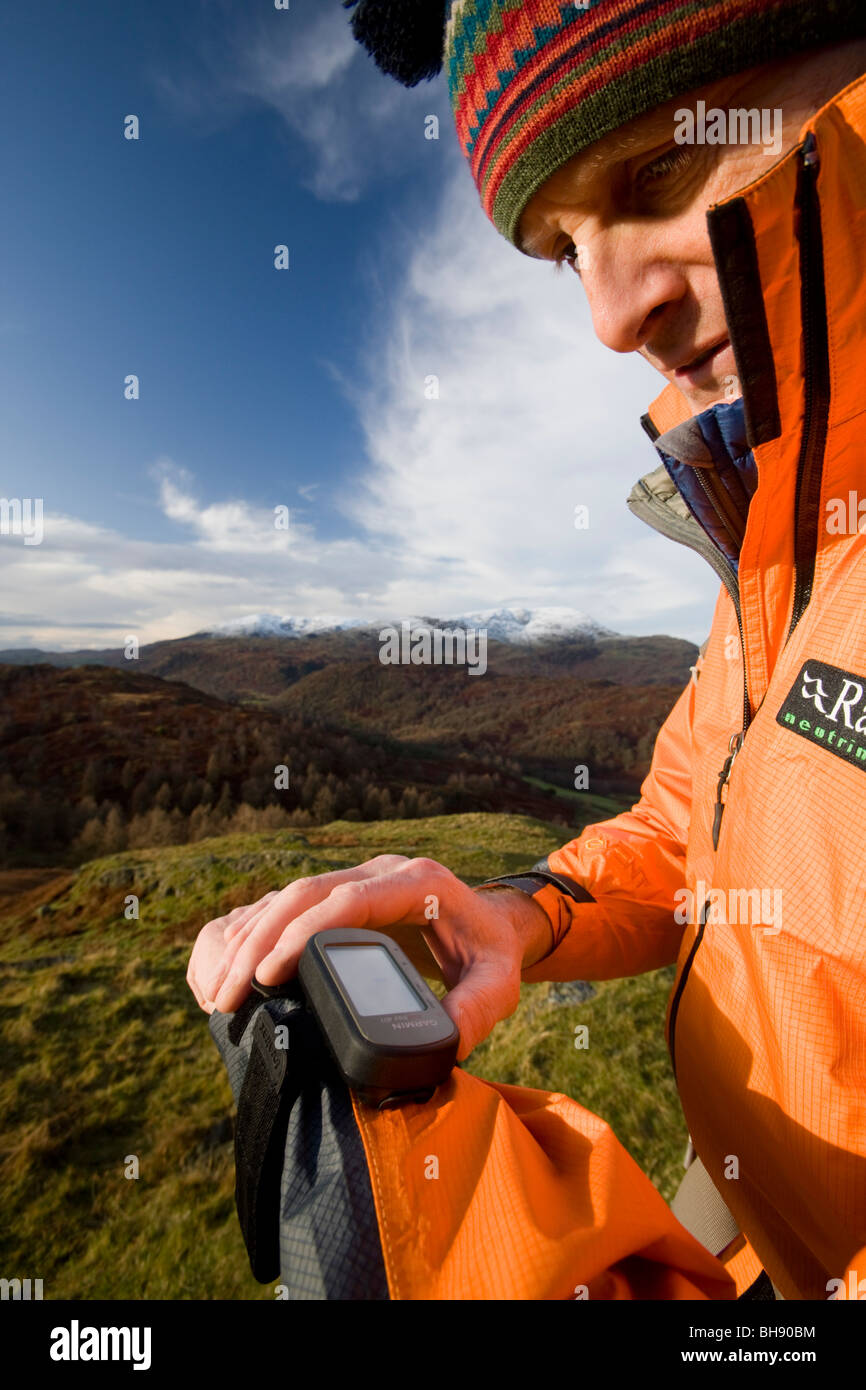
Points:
x=630, y=292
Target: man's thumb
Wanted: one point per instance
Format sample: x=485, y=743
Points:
x=476, y=1004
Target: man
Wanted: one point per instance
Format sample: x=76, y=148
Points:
x=728, y=250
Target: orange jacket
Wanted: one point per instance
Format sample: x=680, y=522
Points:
x=767, y=1019
x=493, y=1191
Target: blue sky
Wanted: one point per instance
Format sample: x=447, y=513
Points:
x=302, y=388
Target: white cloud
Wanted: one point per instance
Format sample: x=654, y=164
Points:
x=464, y=502
x=280, y=55
x=304, y=64
x=88, y=586
x=231, y=528
x=534, y=417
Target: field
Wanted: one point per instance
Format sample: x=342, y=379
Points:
x=106, y=1056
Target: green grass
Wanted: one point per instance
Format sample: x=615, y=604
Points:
x=105, y=1055
x=591, y=806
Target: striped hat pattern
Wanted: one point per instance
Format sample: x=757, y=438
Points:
x=533, y=82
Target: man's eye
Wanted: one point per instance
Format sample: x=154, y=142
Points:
x=568, y=256
x=672, y=161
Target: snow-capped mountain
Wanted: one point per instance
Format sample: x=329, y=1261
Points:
x=272, y=625
x=516, y=625
x=530, y=624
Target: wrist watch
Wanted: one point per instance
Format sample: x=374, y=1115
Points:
x=533, y=881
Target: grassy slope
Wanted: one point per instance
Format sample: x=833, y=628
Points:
x=105, y=1054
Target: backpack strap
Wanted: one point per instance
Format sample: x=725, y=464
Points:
x=302, y=1188
x=269, y=1091
x=700, y=1207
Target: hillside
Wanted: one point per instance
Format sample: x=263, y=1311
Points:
x=539, y=718
x=102, y=1003
x=258, y=669
x=96, y=759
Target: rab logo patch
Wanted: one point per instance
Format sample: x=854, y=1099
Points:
x=828, y=706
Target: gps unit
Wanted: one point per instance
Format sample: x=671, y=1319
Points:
x=390, y=1037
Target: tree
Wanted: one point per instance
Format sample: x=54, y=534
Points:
x=201, y=824
x=272, y=818
x=219, y=764
x=312, y=785
x=91, y=781
x=254, y=789
x=372, y=804
x=115, y=830
x=407, y=806
x=140, y=799
x=323, y=806
x=89, y=844
x=191, y=793
x=158, y=828
x=244, y=821
x=225, y=804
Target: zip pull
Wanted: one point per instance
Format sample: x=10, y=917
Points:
x=735, y=743
x=811, y=157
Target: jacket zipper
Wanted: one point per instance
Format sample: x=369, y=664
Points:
x=654, y=513
x=817, y=385
x=735, y=742
x=708, y=479
x=816, y=412
x=809, y=470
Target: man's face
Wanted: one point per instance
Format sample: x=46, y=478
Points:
x=634, y=205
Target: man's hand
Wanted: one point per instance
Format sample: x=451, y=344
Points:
x=480, y=940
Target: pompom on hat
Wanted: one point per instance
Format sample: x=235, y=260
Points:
x=534, y=82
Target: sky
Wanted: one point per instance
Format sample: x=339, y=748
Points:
x=400, y=422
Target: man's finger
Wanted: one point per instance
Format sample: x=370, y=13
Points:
x=212, y=955
x=264, y=921
x=488, y=992
x=371, y=904
x=205, y=959
x=288, y=907
x=242, y=915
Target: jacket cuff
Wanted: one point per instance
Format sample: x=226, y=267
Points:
x=547, y=889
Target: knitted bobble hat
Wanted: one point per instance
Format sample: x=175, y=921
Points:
x=533, y=82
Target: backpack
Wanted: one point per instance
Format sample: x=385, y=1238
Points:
x=486, y=1191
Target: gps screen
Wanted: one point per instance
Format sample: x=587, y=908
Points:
x=372, y=981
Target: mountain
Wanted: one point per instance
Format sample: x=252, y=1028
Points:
x=532, y=625
x=98, y=752
x=260, y=664
x=271, y=625
x=94, y=759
